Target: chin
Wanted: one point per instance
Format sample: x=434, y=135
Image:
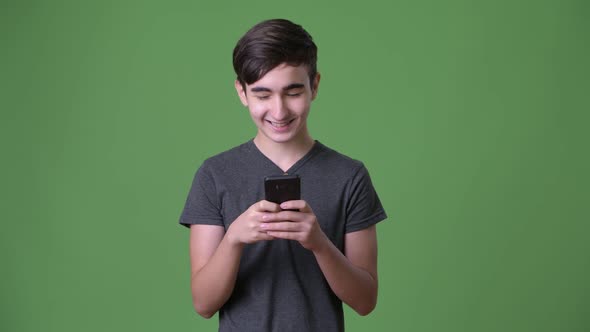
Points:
x=280, y=139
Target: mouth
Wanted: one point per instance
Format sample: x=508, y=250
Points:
x=280, y=124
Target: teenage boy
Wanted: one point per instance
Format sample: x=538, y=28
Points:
x=287, y=267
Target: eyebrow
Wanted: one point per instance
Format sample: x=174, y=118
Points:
x=288, y=87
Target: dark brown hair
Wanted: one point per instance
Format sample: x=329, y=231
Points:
x=271, y=43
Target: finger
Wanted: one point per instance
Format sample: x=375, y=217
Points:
x=265, y=205
x=300, y=205
x=285, y=215
x=284, y=235
x=286, y=226
x=289, y=216
x=270, y=217
x=280, y=216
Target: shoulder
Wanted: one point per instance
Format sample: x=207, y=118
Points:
x=230, y=157
x=337, y=162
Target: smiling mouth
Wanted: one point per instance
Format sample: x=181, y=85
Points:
x=280, y=124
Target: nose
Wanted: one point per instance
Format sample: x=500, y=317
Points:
x=280, y=110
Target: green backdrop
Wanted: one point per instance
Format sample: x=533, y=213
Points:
x=472, y=117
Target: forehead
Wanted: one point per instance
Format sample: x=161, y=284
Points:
x=283, y=75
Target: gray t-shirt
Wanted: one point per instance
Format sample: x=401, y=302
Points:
x=280, y=286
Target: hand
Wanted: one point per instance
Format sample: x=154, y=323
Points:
x=301, y=226
x=246, y=228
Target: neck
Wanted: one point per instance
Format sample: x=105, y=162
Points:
x=284, y=154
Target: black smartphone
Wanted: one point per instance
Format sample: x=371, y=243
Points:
x=279, y=189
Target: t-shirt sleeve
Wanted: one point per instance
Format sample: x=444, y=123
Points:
x=202, y=205
x=364, y=207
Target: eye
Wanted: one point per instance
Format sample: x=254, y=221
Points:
x=296, y=94
x=263, y=97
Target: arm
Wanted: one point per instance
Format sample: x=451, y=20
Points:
x=214, y=267
x=352, y=276
x=215, y=256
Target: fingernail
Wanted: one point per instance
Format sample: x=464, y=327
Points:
x=283, y=206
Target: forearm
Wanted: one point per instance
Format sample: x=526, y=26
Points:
x=353, y=285
x=213, y=284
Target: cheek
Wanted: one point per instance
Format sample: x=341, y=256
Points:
x=256, y=110
x=300, y=105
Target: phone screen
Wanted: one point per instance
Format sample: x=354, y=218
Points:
x=279, y=189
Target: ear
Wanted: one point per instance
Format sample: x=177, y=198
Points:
x=316, y=85
x=241, y=93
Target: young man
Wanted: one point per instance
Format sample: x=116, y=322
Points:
x=288, y=267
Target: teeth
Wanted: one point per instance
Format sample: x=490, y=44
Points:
x=279, y=124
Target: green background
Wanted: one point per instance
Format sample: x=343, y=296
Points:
x=471, y=116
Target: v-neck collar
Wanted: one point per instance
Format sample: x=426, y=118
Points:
x=297, y=165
